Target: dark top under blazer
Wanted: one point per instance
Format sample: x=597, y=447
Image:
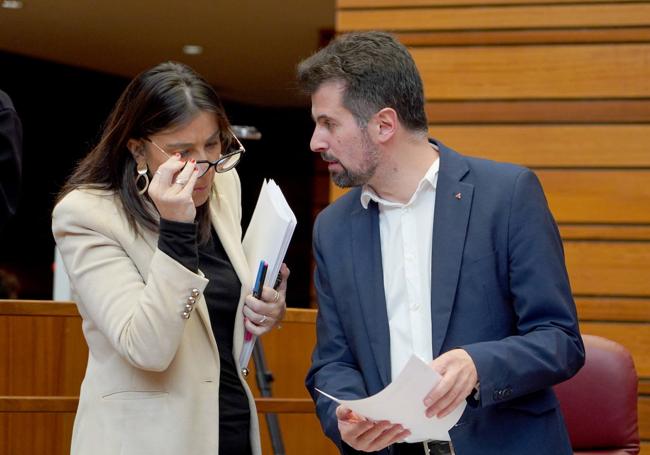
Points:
x=499, y=290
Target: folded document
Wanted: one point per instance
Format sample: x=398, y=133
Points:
x=267, y=239
x=402, y=402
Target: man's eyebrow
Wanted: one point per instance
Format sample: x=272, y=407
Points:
x=178, y=145
x=323, y=117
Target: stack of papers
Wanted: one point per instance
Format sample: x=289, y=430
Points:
x=402, y=402
x=267, y=239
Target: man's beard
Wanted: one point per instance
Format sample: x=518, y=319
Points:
x=348, y=178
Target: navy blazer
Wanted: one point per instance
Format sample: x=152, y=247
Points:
x=499, y=290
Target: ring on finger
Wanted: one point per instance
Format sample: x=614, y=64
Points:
x=277, y=297
x=180, y=181
x=264, y=318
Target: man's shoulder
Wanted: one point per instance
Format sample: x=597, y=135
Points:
x=483, y=169
x=341, y=208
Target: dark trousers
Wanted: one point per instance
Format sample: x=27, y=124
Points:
x=418, y=448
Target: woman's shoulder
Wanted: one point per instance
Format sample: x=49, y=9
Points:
x=86, y=205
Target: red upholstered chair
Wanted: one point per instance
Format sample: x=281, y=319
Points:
x=600, y=402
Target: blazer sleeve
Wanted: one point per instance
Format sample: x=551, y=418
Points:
x=140, y=318
x=334, y=369
x=547, y=347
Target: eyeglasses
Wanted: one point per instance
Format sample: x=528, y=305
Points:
x=223, y=164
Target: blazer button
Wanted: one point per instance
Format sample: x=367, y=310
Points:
x=244, y=372
x=191, y=300
x=195, y=292
x=185, y=315
x=497, y=395
x=188, y=307
x=507, y=392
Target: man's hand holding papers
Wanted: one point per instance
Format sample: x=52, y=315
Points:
x=399, y=405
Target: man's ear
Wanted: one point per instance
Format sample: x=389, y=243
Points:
x=384, y=125
x=136, y=148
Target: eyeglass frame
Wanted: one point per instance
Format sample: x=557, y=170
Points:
x=240, y=151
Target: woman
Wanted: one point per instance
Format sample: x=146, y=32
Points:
x=149, y=229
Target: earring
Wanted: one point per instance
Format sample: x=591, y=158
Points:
x=142, y=172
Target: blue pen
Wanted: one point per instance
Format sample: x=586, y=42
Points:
x=259, y=281
x=257, y=289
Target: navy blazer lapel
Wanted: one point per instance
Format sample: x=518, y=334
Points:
x=369, y=276
x=451, y=216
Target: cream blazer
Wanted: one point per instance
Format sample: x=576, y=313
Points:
x=152, y=380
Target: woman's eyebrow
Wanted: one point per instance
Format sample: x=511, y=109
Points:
x=178, y=145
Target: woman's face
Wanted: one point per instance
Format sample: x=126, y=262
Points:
x=199, y=139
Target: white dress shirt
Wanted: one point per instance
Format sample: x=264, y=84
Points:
x=406, y=235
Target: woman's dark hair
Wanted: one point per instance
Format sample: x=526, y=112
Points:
x=163, y=97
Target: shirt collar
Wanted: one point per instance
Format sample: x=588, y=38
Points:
x=430, y=179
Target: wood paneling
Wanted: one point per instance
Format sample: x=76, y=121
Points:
x=644, y=386
x=593, y=196
x=644, y=418
x=512, y=72
x=609, y=268
x=378, y=4
x=527, y=36
x=552, y=145
x=613, y=309
x=540, y=112
x=604, y=232
x=35, y=433
x=41, y=355
x=496, y=17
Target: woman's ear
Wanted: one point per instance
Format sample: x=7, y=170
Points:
x=137, y=149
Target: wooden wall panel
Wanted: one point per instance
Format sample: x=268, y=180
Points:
x=570, y=113
x=586, y=196
x=381, y=4
x=609, y=268
x=511, y=72
x=495, y=17
x=552, y=145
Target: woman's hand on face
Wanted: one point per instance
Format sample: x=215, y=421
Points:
x=261, y=315
x=171, y=189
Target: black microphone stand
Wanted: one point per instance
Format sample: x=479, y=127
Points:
x=264, y=379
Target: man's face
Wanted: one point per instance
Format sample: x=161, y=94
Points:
x=348, y=149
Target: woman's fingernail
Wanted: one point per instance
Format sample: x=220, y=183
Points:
x=177, y=155
x=193, y=161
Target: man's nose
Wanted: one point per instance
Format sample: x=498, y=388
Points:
x=317, y=144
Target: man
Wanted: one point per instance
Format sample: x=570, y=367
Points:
x=455, y=259
x=10, y=158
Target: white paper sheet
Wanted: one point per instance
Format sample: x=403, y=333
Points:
x=267, y=238
x=401, y=402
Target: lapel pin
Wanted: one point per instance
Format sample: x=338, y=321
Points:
x=458, y=196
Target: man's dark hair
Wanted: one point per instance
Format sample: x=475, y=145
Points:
x=377, y=71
